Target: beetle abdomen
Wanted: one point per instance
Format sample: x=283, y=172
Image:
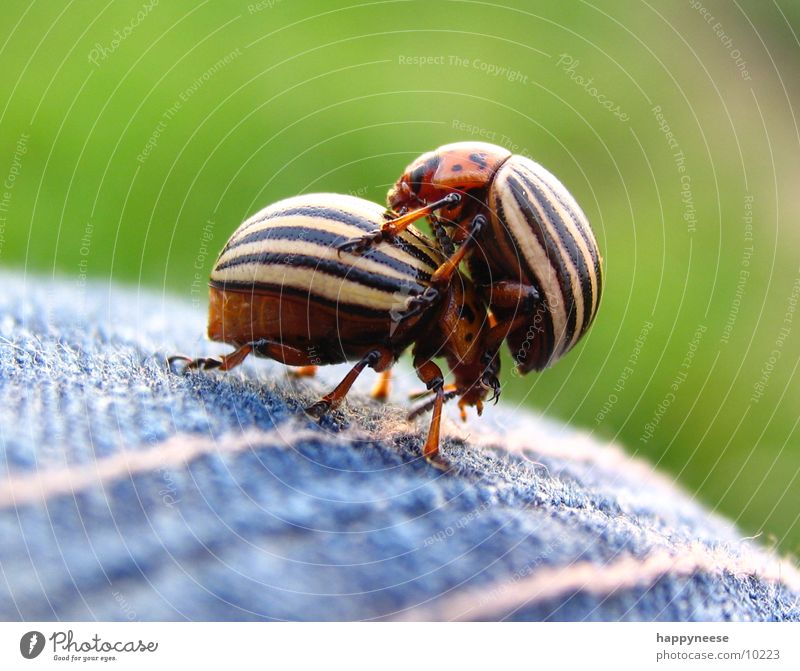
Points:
x=538, y=222
x=286, y=254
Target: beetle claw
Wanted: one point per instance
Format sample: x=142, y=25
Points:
x=416, y=304
x=172, y=360
x=361, y=244
x=202, y=363
x=438, y=463
x=355, y=247
x=318, y=410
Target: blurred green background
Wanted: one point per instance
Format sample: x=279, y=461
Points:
x=137, y=135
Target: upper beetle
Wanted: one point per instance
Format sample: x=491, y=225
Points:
x=280, y=290
x=528, y=244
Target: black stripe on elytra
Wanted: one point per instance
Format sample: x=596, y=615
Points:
x=539, y=329
x=420, y=246
x=551, y=247
x=580, y=220
x=568, y=242
x=582, y=224
x=316, y=211
x=279, y=290
x=524, y=274
x=550, y=336
x=327, y=239
x=329, y=267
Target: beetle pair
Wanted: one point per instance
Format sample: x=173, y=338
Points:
x=327, y=278
x=528, y=245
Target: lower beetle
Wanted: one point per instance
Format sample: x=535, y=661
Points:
x=528, y=244
x=280, y=290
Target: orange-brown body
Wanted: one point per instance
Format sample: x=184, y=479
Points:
x=313, y=334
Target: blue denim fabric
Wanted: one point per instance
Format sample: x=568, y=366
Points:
x=326, y=521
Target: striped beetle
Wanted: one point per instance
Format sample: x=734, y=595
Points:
x=528, y=244
x=280, y=290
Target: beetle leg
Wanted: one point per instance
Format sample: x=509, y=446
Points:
x=304, y=371
x=432, y=376
x=390, y=214
x=509, y=294
x=419, y=395
x=418, y=303
x=444, y=273
x=522, y=298
x=380, y=359
x=393, y=227
x=264, y=348
x=225, y=362
x=380, y=391
x=443, y=238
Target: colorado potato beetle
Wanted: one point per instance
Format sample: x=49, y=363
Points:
x=528, y=245
x=280, y=290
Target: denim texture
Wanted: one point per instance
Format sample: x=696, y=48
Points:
x=128, y=492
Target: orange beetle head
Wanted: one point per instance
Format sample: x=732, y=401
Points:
x=416, y=186
x=462, y=167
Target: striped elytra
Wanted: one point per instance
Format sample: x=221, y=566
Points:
x=282, y=289
x=280, y=277
x=528, y=244
x=538, y=225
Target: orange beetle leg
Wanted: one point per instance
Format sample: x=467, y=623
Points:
x=509, y=294
x=444, y=273
x=393, y=227
x=419, y=395
x=522, y=298
x=380, y=391
x=379, y=359
x=264, y=348
x=432, y=376
x=225, y=362
x=304, y=371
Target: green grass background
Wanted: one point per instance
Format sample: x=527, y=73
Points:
x=322, y=96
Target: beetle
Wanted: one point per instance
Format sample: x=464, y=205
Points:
x=280, y=290
x=526, y=241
